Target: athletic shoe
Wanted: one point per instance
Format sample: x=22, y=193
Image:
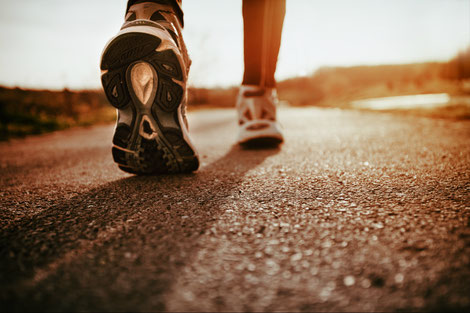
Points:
x=257, y=122
x=144, y=73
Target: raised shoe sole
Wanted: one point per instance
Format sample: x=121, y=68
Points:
x=143, y=77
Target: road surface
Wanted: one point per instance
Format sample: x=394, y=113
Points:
x=355, y=212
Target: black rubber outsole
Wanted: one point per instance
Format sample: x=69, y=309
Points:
x=165, y=149
x=261, y=143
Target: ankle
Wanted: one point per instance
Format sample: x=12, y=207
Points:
x=169, y=6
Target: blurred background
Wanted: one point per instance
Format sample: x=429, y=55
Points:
x=336, y=53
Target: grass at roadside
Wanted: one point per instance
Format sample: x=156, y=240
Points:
x=25, y=112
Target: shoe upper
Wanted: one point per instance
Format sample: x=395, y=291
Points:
x=256, y=108
x=256, y=104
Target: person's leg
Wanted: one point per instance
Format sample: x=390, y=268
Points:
x=262, y=28
x=257, y=99
x=144, y=74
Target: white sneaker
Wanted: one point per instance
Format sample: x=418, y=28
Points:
x=257, y=122
x=144, y=73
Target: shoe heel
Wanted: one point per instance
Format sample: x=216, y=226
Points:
x=122, y=51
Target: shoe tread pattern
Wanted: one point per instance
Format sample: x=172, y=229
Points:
x=168, y=152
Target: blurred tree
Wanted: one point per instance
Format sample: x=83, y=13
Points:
x=459, y=67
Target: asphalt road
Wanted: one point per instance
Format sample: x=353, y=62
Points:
x=355, y=212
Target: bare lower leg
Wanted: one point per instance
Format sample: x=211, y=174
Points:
x=263, y=21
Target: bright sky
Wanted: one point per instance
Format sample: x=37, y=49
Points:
x=57, y=43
